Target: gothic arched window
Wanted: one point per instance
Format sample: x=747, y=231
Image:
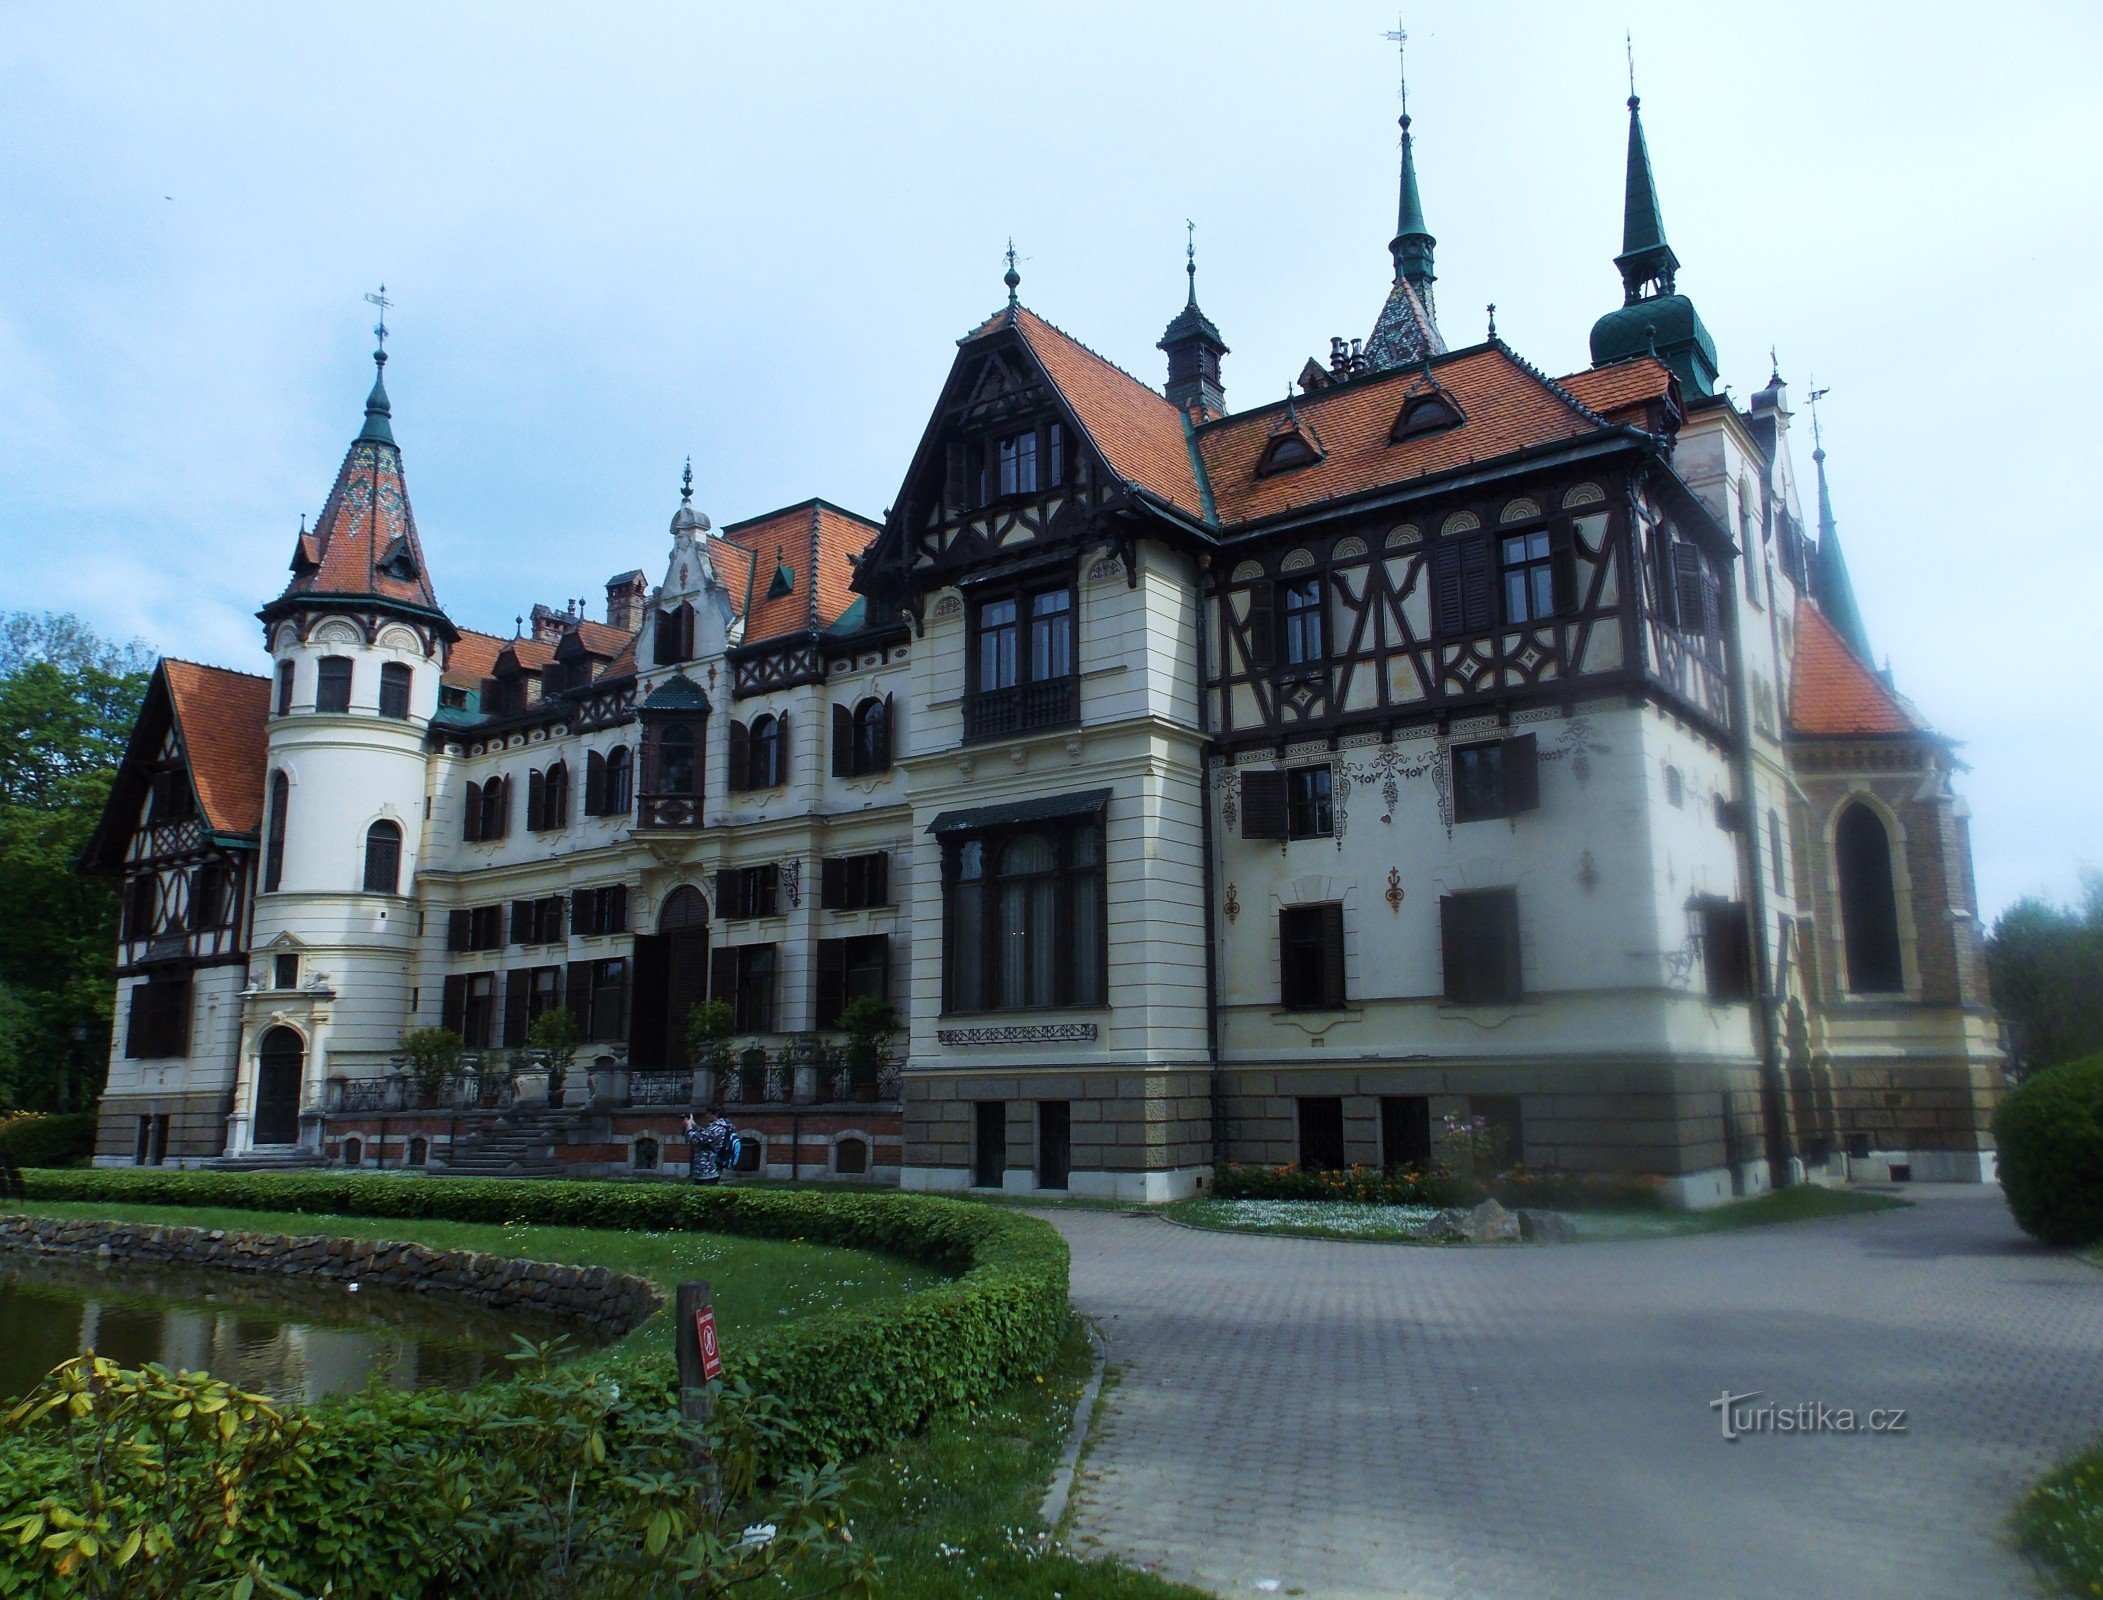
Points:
x=383, y=858
x=1869, y=913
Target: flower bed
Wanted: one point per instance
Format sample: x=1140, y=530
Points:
x=1437, y=1187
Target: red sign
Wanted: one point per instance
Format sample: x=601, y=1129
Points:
x=705, y=1332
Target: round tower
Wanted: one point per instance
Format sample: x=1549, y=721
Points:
x=357, y=643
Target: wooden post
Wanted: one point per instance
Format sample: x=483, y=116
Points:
x=697, y=1401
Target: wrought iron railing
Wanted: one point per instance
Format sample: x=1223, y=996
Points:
x=1022, y=708
x=661, y=1088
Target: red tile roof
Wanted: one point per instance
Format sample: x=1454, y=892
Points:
x=733, y=569
x=1834, y=692
x=1623, y=386
x=813, y=541
x=364, y=521
x=474, y=658
x=1506, y=407
x=603, y=638
x=223, y=718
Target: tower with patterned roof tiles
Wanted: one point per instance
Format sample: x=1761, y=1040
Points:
x=358, y=644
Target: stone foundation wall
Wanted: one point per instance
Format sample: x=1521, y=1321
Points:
x=610, y=1302
x=1123, y=1121
x=196, y=1126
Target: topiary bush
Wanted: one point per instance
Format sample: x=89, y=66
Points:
x=66, y=1139
x=2050, y=1133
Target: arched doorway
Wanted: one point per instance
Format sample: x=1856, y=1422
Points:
x=1869, y=912
x=671, y=978
x=279, y=1063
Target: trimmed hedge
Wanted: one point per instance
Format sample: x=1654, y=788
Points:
x=2050, y=1133
x=852, y=1380
x=65, y=1139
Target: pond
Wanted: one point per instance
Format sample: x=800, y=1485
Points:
x=289, y=1339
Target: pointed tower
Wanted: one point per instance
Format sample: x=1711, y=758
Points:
x=1407, y=330
x=1193, y=347
x=1830, y=585
x=1654, y=319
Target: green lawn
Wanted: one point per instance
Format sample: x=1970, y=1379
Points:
x=753, y=1282
x=2060, y=1523
x=952, y=1513
x=1338, y=1219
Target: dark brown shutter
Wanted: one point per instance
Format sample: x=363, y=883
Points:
x=497, y=794
x=457, y=929
x=555, y=804
x=842, y=742
x=594, y=784
x=1445, y=590
x=1263, y=625
x=832, y=883
x=1563, y=544
x=452, y=1013
x=522, y=922
x=617, y=908
x=1263, y=805
x=577, y=994
x=536, y=801
x=1332, y=954
x=1521, y=772
x=518, y=987
x=471, y=817
x=1453, y=945
x=1690, y=589
x=740, y=757
x=780, y=774
x=880, y=880
x=832, y=982
x=726, y=893
x=1502, y=906
x=1478, y=584
x=723, y=976
x=883, y=736
x=959, y=491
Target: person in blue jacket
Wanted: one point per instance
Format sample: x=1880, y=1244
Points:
x=711, y=1149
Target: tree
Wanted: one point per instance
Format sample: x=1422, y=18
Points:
x=68, y=699
x=2046, y=966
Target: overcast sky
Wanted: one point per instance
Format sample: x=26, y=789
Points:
x=618, y=234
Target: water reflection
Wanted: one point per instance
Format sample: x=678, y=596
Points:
x=289, y=1339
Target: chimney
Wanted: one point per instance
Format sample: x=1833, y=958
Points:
x=626, y=597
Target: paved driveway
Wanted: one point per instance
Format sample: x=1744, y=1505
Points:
x=1360, y=1420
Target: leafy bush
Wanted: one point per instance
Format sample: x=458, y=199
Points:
x=63, y=1140
x=850, y=1381
x=2050, y=1133
x=1438, y=1186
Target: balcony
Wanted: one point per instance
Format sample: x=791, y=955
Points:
x=1022, y=708
x=664, y=812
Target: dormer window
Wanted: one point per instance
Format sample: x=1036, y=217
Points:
x=1286, y=451
x=1022, y=462
x=1427, y=413
x=400, y=562
x=1015, y=463
x=784, y=581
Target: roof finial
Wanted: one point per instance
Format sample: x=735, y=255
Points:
x=377, y=408
x=1493, y=322
x=1774, y=366
x=686, y=483
x=1630, y=39
x=1399, y=36
x=1011, y=277
x=1190, y=258
x=379, y=331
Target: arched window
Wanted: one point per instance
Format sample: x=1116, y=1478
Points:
x=284, y=688
x=354, y=1152
x=751, y=1152
x=495, y=818
x=675, y=760
x=332, y=690
x=383, y=858
x=767, y=753
x=850, y=1158
x=555, y=804
x=394, y=690
x=620, y=781
x=419, y=1151
x=1869, y=912
x=645, y=1155
x=684, y=911
x=274, y=836
x=872, y=735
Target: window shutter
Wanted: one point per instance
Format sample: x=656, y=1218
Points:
x=594, y=784
x=726, y=893
x=452, y=1012
x=1263, y=625
x=959, y=492
x=780, y=774
x=555, y=803
x=832, y=982
x=686, y=631
x=1332, y=954
x=617, y=908
x=842, y=742
x=883, y=736
x=1445, y=589
x=879, y=887
x=536, y=800
x=1263, y=805
x=577, y=994
x=1478, y=584
x=471, y=815
x=740, y=756
x=1503, y=908
x=1565, y=569
x=723, y=976
x=1521, y=772
x=1690, y=589
x=517, y=986
x=832, y=883
x=456, y=929
x=522, y=922
x=1453, y=945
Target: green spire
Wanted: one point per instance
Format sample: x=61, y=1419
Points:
x=1647, y=263
x=1412, y=245
x=377, y=411
x=1830, y=584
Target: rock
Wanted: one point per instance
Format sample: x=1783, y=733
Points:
x=1546, y=1227
x=1489, y=1223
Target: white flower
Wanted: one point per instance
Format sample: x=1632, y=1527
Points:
x=757, y=1537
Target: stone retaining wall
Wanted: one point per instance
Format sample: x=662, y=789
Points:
x=610, y=1302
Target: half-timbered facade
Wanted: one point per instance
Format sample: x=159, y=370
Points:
x=1445, y=739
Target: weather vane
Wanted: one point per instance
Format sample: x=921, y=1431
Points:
x=1399, y=37
x=1629, y=39
x=379, y=331
x=1817, y=439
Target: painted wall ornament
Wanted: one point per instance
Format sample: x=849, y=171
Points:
x=1233, y=903
x=1394, y=890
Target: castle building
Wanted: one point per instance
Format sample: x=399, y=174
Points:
x=1198, y=784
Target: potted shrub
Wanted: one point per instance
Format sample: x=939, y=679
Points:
x=708, y=1041
x=553, y=1037
x=432, y=1055
x=869, y=1024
